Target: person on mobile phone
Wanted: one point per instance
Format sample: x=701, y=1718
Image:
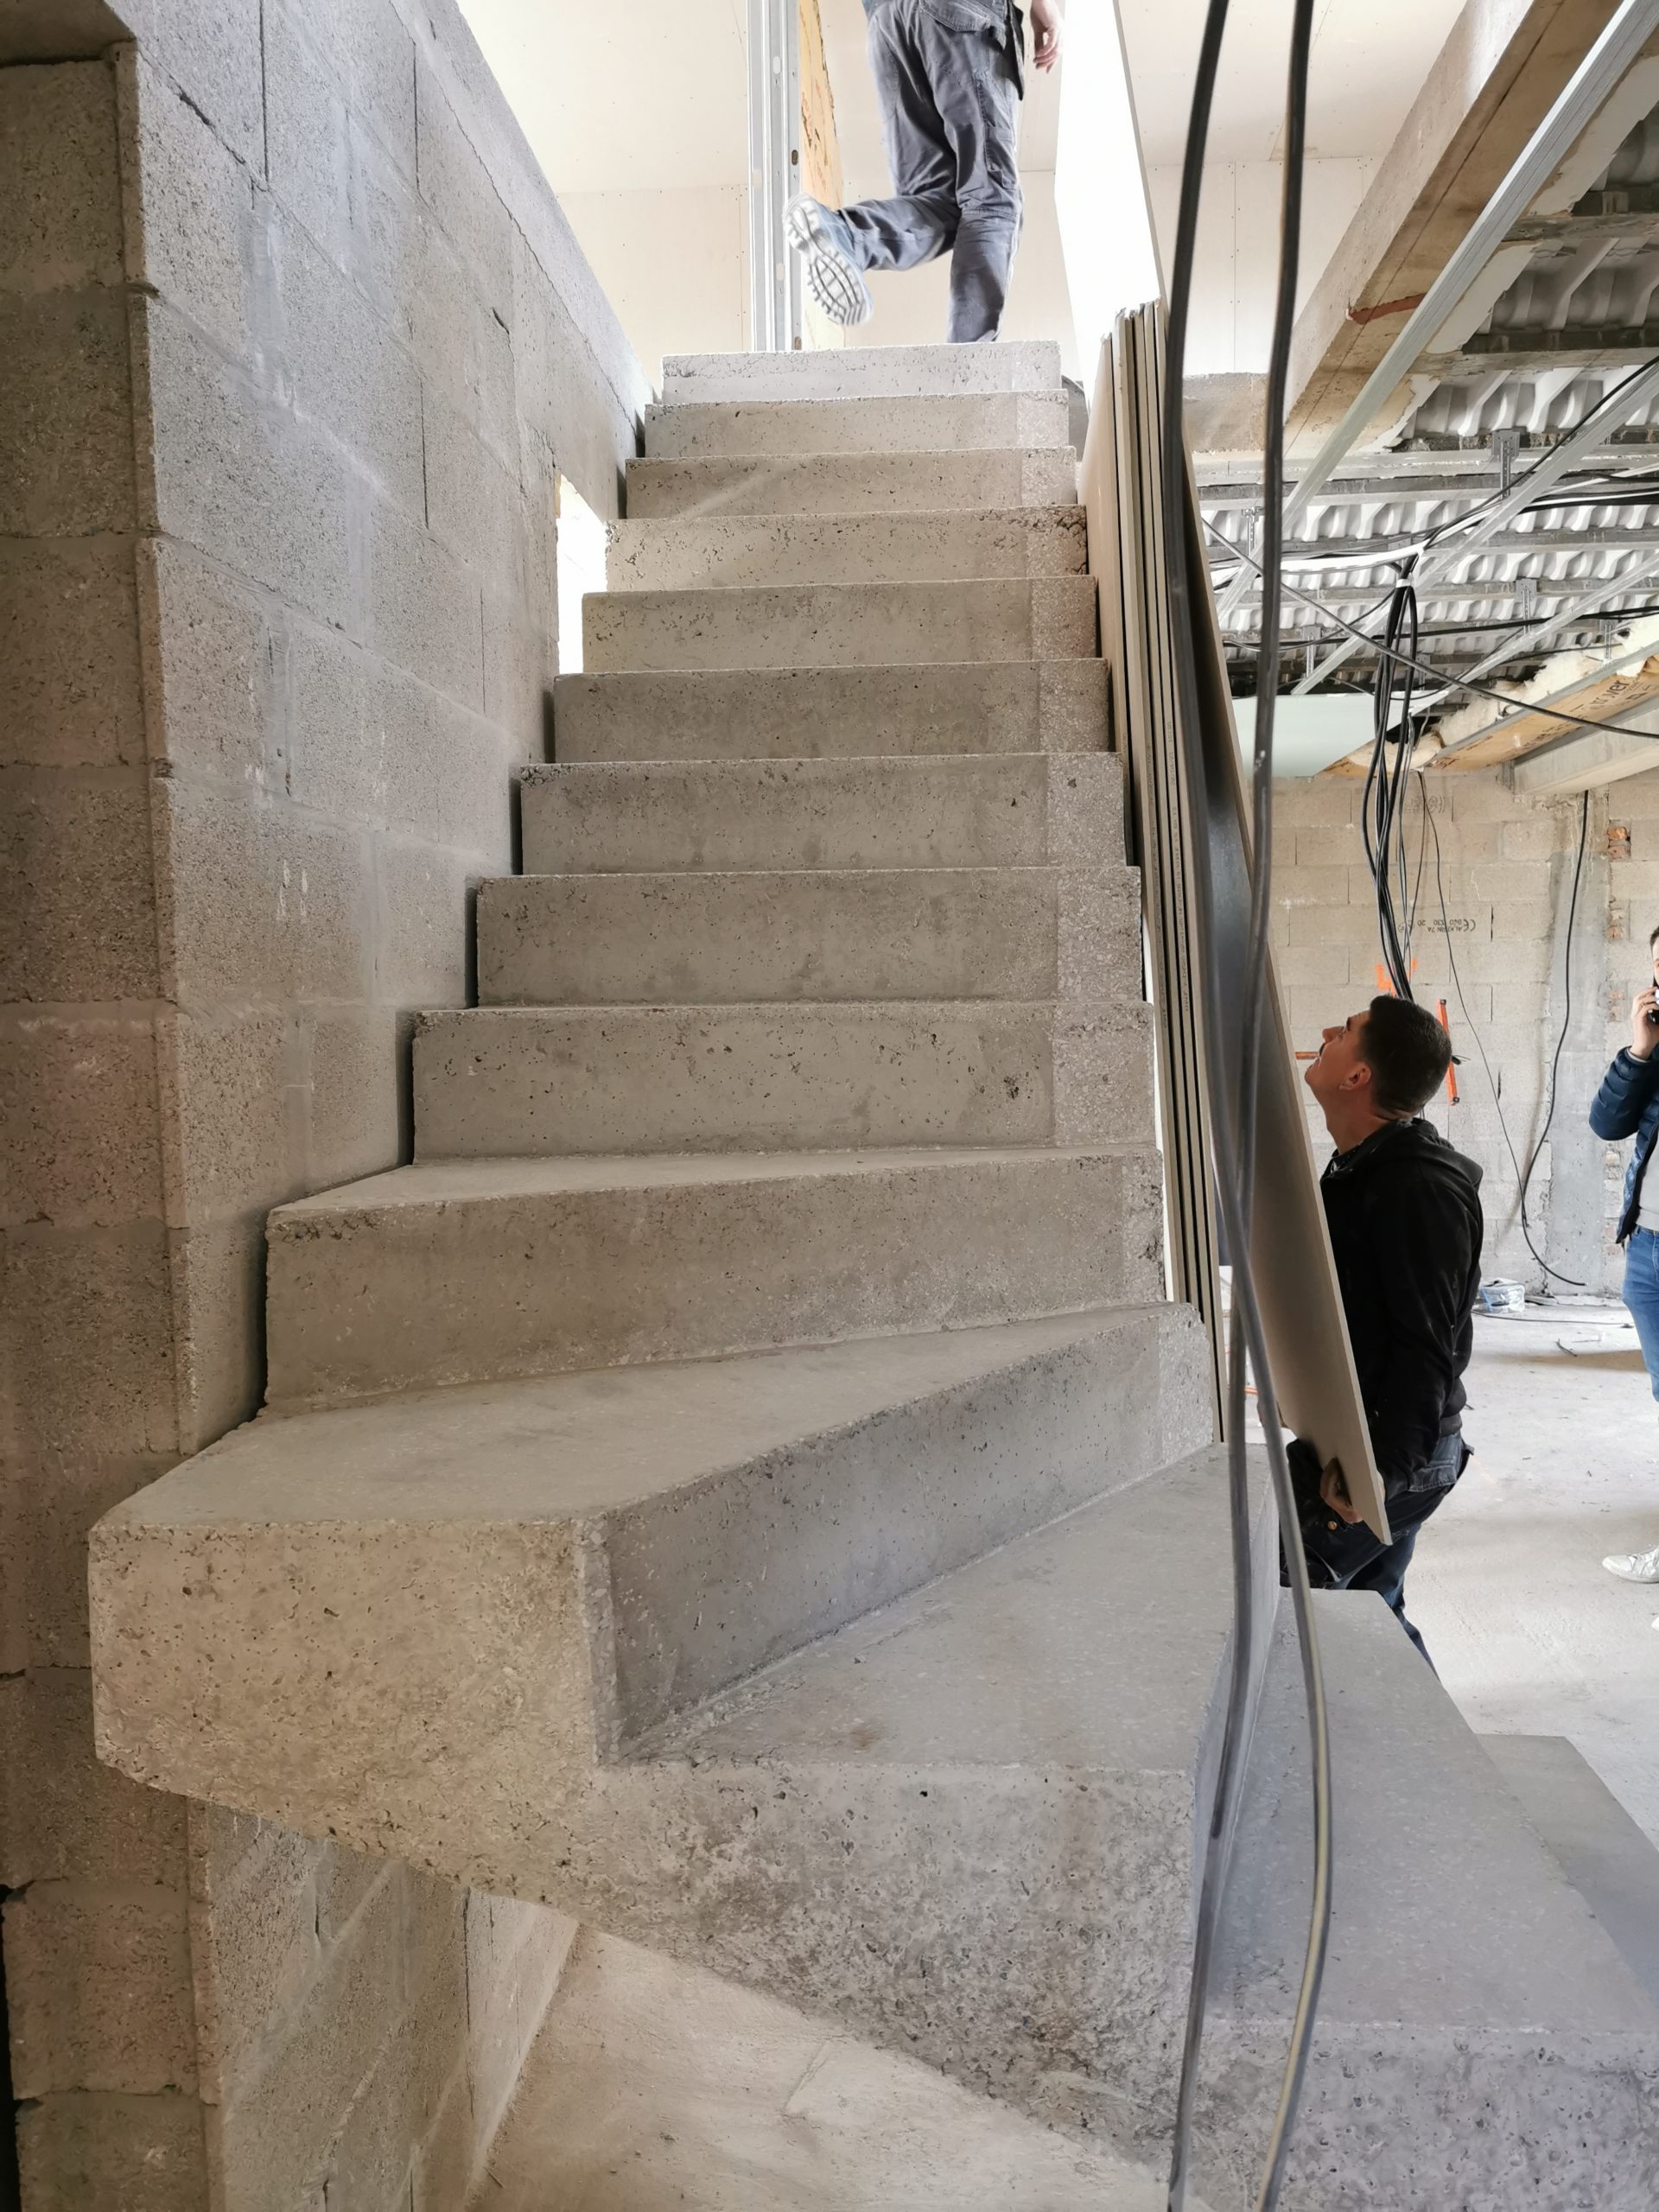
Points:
x=1627, y=1105
x=1404, y=1209
x=950, y=75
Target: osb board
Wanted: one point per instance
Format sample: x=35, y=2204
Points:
x=1597, y=701
x=820, y=147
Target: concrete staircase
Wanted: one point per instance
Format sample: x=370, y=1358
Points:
x=742, y=1483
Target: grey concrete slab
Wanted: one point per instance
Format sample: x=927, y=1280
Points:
x=1054, y=706
x=712, y=937
x=696, y=554
x=496, y=1083
x=702, y=430
x=841, y=625
x=840, y=484
x=863, y=373
x=965, y=810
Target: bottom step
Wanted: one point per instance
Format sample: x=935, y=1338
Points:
x=1481, y=2044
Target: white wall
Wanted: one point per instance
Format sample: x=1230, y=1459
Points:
x=1238, y=249
x=910, y=303
x=673, y=264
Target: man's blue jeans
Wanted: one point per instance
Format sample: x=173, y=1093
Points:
x=946, y=78
x=1345, y=1556
x=1641, y=1295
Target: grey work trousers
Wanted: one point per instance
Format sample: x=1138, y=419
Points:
x=947, y=73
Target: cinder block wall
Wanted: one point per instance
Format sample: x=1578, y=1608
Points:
x=295, y=341
x=1507, y=869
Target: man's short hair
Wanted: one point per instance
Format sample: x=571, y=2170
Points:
x=1408, y=1053
x=1653, y=936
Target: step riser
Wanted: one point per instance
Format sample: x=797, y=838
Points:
x=822, y=714
x=774, y=1078
x=845, y=549
x=722, y=940
x=409, y=1296
x=785, y=427
x=852, y=484
x=835, y=626
x=863, y=373
x=1019, y=811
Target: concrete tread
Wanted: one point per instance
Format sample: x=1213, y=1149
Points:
x=697, y=553
x=851, y=483
x=913, y=423
x=863, y=372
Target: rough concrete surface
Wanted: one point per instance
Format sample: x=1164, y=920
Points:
x=691, y=556
x=863, y=373
x=699, y=430
x=846, y=483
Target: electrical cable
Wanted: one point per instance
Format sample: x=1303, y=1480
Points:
x=1522, y=1178
x=1437, y=676
x=1234, y=1154
x=1560, y=1043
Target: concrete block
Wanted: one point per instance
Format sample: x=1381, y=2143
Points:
x=1516, y=920
x=218, y=1272
x=845, y=484
x=344, y=1881
x=216, y=55
x=1533, y=837
x=425, y=612
x=347, y=369
x=213, y=666
x=520, y=669
x=564, y=391
x=487, y=1269
x=79, y=1142
x=48, y=1503
x=93, y=1373
x=997, y=811
x=717, y=431
x=69, y=683
x=65, y=1816
x=335, y=744
x=192, y=239
x=472, y=503
x=379, y=56
x=456, y=187
x=235, y=1085
x=852, y=713
x=465, y=353
x=424, y=954
x=1315, y=963
x=65, y=414
x=1325, y=844
x=1510, y=882
x=862, y=372
x=257, y=1955
x=243, y=480
x=59, y=183
x=446, y=2164
x=268, y=903
x=446, y=773
x=98, y=1987
x=1316, y=802
x=804, y=625
x=692, y=556
x=309, y=137
x=496, y=1085
x=145, y=2154
x=814, y=935
x=282, y=2125
x=1311, y=887
x=400, y=2102
x=357, y=1081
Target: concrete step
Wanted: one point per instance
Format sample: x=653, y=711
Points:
x=971, y=423
x=1011, y=809
x=863, y=373
x=1055, y=706
x=1480, y=2042
x=475, y=1271
x=692, y=556
x=738, y=1508
x=966, y=1825
x=829, y=625
x=849, y=484
x=500, y=1082
x=1610, y=1861
x=816, y=935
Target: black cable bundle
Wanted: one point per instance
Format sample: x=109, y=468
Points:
x=1231, y=1100
x=1382, y=814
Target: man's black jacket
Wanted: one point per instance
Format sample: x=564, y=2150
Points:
x=1628, y=1105
x=1405, y=1219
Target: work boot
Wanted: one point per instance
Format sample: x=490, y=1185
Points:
x=833, y=277
x=1634, y=1566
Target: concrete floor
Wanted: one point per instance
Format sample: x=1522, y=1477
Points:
x=651, y=2086
x=1529, y=1633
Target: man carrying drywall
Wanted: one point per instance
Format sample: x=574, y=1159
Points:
x=1404, y=1209
x=950, y=75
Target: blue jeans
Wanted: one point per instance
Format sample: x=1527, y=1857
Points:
x=1642, y=1296
x=1341, y=1556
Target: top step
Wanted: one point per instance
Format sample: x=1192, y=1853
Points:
x=862, y=372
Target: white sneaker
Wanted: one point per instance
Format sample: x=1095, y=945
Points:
x=833, y=277
x=1634, y=1566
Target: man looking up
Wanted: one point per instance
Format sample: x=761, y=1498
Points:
x=950, y=75
x=1404, y=1209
